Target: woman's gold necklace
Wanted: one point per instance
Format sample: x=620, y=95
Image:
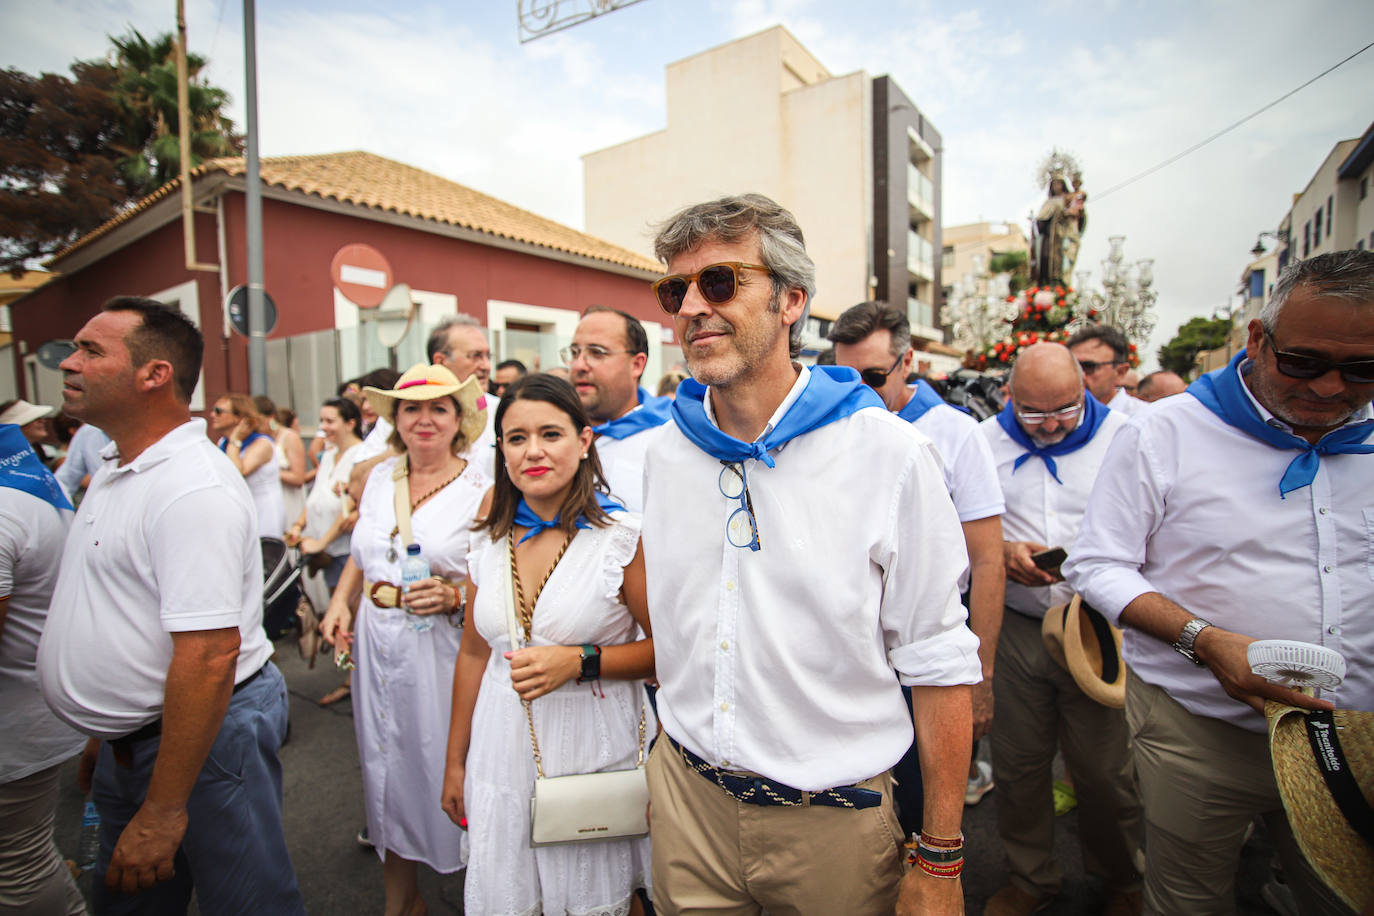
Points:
x=391, y=554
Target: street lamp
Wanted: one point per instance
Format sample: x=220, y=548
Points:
x=1128, y=296
x=1258, y=251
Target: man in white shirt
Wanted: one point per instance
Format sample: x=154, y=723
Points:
x=1048, y=443
x=154, y=645
x=1240, y=510
x=34, y=517
x=781, y=625
x=1104, y=354
x=606, y=360
x=1159, y=385
x=875, y=339
x=460, y=344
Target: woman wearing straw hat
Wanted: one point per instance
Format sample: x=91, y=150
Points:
x=573, y=688
x=406, y=640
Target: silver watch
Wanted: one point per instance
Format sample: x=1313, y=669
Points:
x=1186, y=640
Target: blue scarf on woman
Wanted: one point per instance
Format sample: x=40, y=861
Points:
x=922, y=400
x=21, y=469
x=1223, y=393
x=652, y=412
x=525, y=517
x=831, y=393
x=1089, y=420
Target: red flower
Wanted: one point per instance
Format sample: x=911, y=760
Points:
x=1061, y=302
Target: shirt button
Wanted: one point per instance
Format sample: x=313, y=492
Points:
x=725, y=644
x=1334, y=630
x=730, y=586
x=1326, y=568
x=1323, y=510
x=725, y=763
x=724, y=707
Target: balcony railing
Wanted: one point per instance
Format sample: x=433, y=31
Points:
x=920, y=256
x=920, y=191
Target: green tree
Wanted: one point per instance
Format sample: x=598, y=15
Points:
x=75, y=151
x=145, y=89
x=1016, y=263
x=1197, y=334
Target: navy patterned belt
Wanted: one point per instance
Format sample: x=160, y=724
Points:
x=756, y=790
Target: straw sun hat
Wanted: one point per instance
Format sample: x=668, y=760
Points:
x=425, y=382
x=1089, y=648
x=1340, y=855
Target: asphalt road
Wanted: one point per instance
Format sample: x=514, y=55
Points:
x=323, y=814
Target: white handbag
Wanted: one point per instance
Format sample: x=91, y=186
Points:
x=585, y=807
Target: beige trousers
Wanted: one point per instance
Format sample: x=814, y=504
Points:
x=1203, y=781
x=34, y=880
x=713, y=854
x=1039, y=708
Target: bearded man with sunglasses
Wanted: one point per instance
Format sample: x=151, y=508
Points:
x=1048, y=443
x=1241, y=510
x=605, y=362
x=783, y=620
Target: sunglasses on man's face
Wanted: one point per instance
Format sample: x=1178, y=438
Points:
x=717, y=283
x=877, y=378
x=1089, y=366
x=1301, y=366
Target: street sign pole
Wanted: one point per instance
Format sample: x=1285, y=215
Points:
x=257, y=337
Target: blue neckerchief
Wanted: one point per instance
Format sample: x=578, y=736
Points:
x=1223, y=393
x=924, y=398
x=832, y=393
x=21, y=469
x=525, y=517
x=252, y=437
x=1088, y=422
x=652, y=412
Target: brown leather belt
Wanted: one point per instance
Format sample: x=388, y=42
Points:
x=383, y=594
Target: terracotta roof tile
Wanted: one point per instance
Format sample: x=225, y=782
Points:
x=367, y=180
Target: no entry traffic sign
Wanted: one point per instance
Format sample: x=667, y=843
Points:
x=362, y=274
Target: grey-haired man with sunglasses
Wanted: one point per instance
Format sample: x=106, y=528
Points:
x=1048, y=443
x=791, y=587
x=1240, y=510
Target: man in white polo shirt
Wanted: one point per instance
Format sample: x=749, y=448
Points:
x=1240, y=510
x=605, y=362
x=154, y=645
x=1048, y=442
x=802, y=556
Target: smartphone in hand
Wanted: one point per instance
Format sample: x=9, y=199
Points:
x=1051, y=559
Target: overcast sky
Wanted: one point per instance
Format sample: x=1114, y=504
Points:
x=1124, y=85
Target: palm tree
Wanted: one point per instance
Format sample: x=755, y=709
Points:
x=146, y=91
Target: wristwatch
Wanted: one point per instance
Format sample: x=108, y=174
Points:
x=1186, y=640
x=591, y=664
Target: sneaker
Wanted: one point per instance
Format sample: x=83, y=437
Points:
x=980, y=785
x=1065, y=798
x=363, y=840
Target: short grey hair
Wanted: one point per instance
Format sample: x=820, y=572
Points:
x=1344, y=275
x=731, y=219
x=438, y=338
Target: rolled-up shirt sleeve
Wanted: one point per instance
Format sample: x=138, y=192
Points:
x=1125, y=509
x=924, y=624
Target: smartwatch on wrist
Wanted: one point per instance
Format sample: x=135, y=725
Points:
x=1188, y=638
x=591, y=664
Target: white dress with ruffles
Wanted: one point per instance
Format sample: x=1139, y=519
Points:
x=579, y=731
x=403, y=686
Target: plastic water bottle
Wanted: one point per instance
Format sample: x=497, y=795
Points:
x=89, y=846
x=415, y=568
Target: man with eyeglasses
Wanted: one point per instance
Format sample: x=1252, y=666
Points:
x=791, y=586
x=460, y=344
x=507, y=373
x=605, y=362
x=1104, y=354
x=1241, y=510
x=875, y=339
x=1048, y=443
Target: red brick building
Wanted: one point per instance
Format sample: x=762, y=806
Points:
x=523, y=276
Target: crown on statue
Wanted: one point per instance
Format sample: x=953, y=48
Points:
x=1062, y=165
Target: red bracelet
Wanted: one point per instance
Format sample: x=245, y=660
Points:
x=942, y=842
x=941, y=870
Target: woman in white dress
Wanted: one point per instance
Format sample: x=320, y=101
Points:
x=280, y=424
x=578, y=579
x=236, y=420
x=406, y=642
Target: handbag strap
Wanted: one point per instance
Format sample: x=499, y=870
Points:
x=401, y=478
x=517, y=641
